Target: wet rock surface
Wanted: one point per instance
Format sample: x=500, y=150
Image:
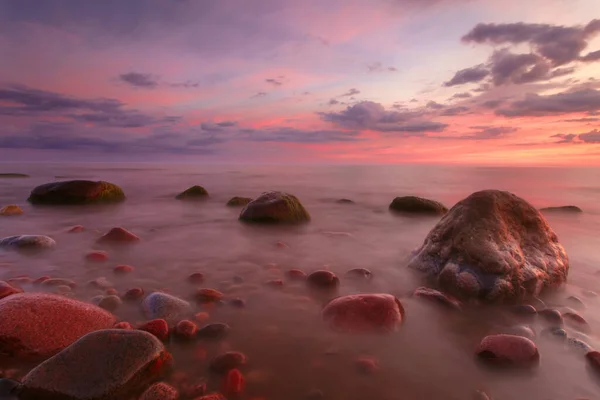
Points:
x=492, y=246
x=11, y=210
x=76, y=192
x=562, y=209
x=417, y=205
x=27, y=242
x=118, y=235
x=508, y=350
x=275, y=207
x=323, y=279
x=164, y=306
x=193, y=193
x=364, y=313
x=238, y=201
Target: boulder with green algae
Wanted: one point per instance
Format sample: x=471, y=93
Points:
x=194, y=192
x=275, y=207
x=76, y=192
x=238, y=201
x=417, y=205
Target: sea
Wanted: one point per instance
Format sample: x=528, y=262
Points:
x=291, y=351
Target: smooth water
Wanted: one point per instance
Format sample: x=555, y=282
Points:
x=290, y=350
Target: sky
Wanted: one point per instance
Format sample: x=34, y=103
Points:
x=488, y=82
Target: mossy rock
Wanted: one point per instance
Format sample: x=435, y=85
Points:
x=417, y=205
x=76, y=192
x=275, y=207
x=194, y=192
x=238, y=201
x=13, y=175
x=562, y=209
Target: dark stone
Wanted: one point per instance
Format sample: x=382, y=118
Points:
x=237, y=303
x=133, y=294
x=576, y=302
x=555, y=333
x=185, y=330
x=323, y=279
x=194, y=192
x=196, y=277
x=562, y=209
x=523, y=310
x=13, y=175
x=492, y=246
x=296, y=275
x=76, y=192
x=551, y=316
x=364, y=313
x=110, y=303
x=27, y=242
x=417, y=205
x=222, y=363
x=509, y=350
x=275, y=207
x=102, y=365
x=216, y=330
x=238, y=201
x=593, y=359
x=9, y=389
x=344, y=201
x=160, y=305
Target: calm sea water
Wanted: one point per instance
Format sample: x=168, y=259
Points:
x=290, y=350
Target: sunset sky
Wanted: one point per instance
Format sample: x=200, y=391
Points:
x=286, y=81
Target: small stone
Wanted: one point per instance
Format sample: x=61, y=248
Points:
x=576, y=321
x=521, y=330
x=111, y=291
x=118, y=236
x=417, y=205
x=76, y=192
x=576, y=302
x=233, y=384
x=214, y=331
x=208, y=296
x=27, y=242
x=363, y=313
x=579, y=345
x=237, y=303
x=524, y=310
x=58, y=282
x=275, y=207
x=551, y=316
x=63, y=289
x=508, y=350
x=323, y=279
x=97, y=256
x=192, y=193
x=237, y=279
x=362, y=273
x=344, y=201
x=593, y=358
x=110, y=303
x=227, y=361
x=157, y=327
x=201, y=316
x=186, y=330
x=437, y=297
x=160, y=391
x=555, y=332
x=133, y=294
x=196, y=277
x=6, y=290
x=123, y=269
x=367, y=365
x=238, y=201
x=160, y=305
x=274, y=283
x=41, y=280
x=123, y=325
x=99, y=283
x=212, y=396
x=76, y=229
x=11, y=210
x=296, y=275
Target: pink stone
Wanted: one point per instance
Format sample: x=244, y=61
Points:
x=508, y=350
x=186, y=329
x=196, y=277
x=119, y=235
x=76, y=229
x=361, y=313
x=367, y=365
x=123, y=325
x=123, y=269
x=157, y=327
x=323, y=279
x=97, y=256
x=7, y=290
x=296, y=275
x=133, y=294
x=233, y=384
x=160, y=391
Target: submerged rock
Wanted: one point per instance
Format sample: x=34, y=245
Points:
x=323, y=279
x=437, y=297
x=238, y=201
x=417, y=205
x=27, y=242
x=275, y=207
x=160, y=305
x=361, y=313
x=510, y=350
x=13, y=175
x=194, y=192
x=76, y=192
x=562, y=209
x=227, y=361
x=102, y=365
x=216, y=330
x=344, y=201
x=492, y=246
x=38, y=325
x=118, y=235
x=206, y=295
x=11, y=210
x=6, y=289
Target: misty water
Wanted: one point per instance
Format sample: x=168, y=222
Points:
x=290, y=349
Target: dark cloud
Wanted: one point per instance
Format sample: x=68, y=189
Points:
x=260, y=94
x=379, y=67
x=137, y=79
x=273, y=82
x=187, y=84
x=333, y=102
x=592, y=137
x=518, y=68
x=451, y=111
x=292, y=135
x=351, y=92
x=219, y=126
x=492, y=103
x=492, y=132
x=468, y=75
x=392, y=69
x=589, y=119
x=434, y=106
x=122, y=119
x=463, y=95
x=591, y=57
x=564, y=138
x=586, y=100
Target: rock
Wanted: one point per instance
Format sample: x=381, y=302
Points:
x=233, y=384
x=274, y=283
x=323, y=279
x=492, y=246
x=214, y=331
x=593, y=359
x=13, y=175
x=562, y=209
x=186, y=330
x=118, y=236
x=520, y=330
x=344, y=201
x=525, y=310
x=133, y=294
x=361, y=313
x=157, y=327
x=417, y=205
x=237, y=303
x=7, y=290
x=76, y=192
x=8, y=389
x=11, y=210
x=160, y=305
x=196, y=277
x=367, y=365
x=41, y=280
x=160, y=391
x=123, y=325
x=579, y=345
x=577, y=322
x=76, y=229
x=110, y=303
x=123, y=269
x=296, y=275
x=275, y=207
x=576, y=302
x=437, y=297
x=225, y=362
x=27, y=242
x=194, y=192
x=551, y=316
x=97, y=256
x=555, y=332
x=58, y=282
x=38, y=325
x=508, y=350
x=238, y=201
x=208, y=296
x=102, y=365
x=362, y=273
x=99, y=283
x=212, y=396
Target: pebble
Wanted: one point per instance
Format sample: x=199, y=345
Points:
x=323, y=279
x=110, y=303
x=196, y=277
x=160, y=305
x=214, y=331
x=237, y=303
x=508, y=350
x=296, y=275
x=111, y=291
x=237, y=279
x=555, y=332
x=100, y=283
x=58, y=282
x=367, y=365
x=233, y=383
x=119, y=235
x=576, y=321
x=437, y=297
x=27, y=242
x=76, y=229
x=208, y=296
x=364, y=313
x=551, y=316
x=227, y=361
x=7, y=290
x=123, y=269
x=524, y=310
x=579, y=345
x=123, y=325
x=362, y=273
x=41, y=280
x=11, y=210
x=186, y=330
x=97, y=256
x=160, y=391
x=133, y=294
x=576, y=302
x=157, y=327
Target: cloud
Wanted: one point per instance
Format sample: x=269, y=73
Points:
x=564, y=138
x=260, y=94
x=292, y=135
x=492, y=132
x=492, y=103
x=589, y=119
x=451, y=111
x=468, y=75
x=585, y=100
x=433, y=105
x=137, y=79
x=273, y=82
x=591, y=57
x=379, y=67
x=187, y=84
x=351, y=92
x=219, y=126
x=333, y=102
x=592, y=137
x=462, y=95
x=392, y=69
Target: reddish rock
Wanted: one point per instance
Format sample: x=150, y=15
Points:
x=110, y=303
x=99, y=283
x=296, y=275
x=214, y=331
x=361, y=273
x=165, y=306
x=274, y=283
x=282, y=245
x=123, y=269
x=367, y=365
x=233, y=384
x=323, y=279
x=118, y=236
x=102, y=365
x=551, y=316
x=437, y=297
x=39, y=325
x=576, y=321
x=237, y=303
x=364, y=313
x=133, y=294
x=58, y=282
x=576, y=302
x=593, y=358
x=6, y=290
x=201, y=316
x=76, y=229
x=157, y=327
x=41, y=280
x=196, y=277
x=508, y=350
x=208, y=296
x=227, y=361
x=193, y=391
x=212, y=396
x=186, y=330
x=525, y=310
x=97, y=256
x=160, y=391
x=111, y=291
x=11, y=210
x=21, y=280
x=123, y=325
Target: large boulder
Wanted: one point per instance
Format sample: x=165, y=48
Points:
x=275, y=207
x=27, y=242
x=160, y=305
x=492, y=246
x=76, y=192
x=38, y=325
x=417, y=205
x=102, y=365
x=191, y=193
x=364, y=313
